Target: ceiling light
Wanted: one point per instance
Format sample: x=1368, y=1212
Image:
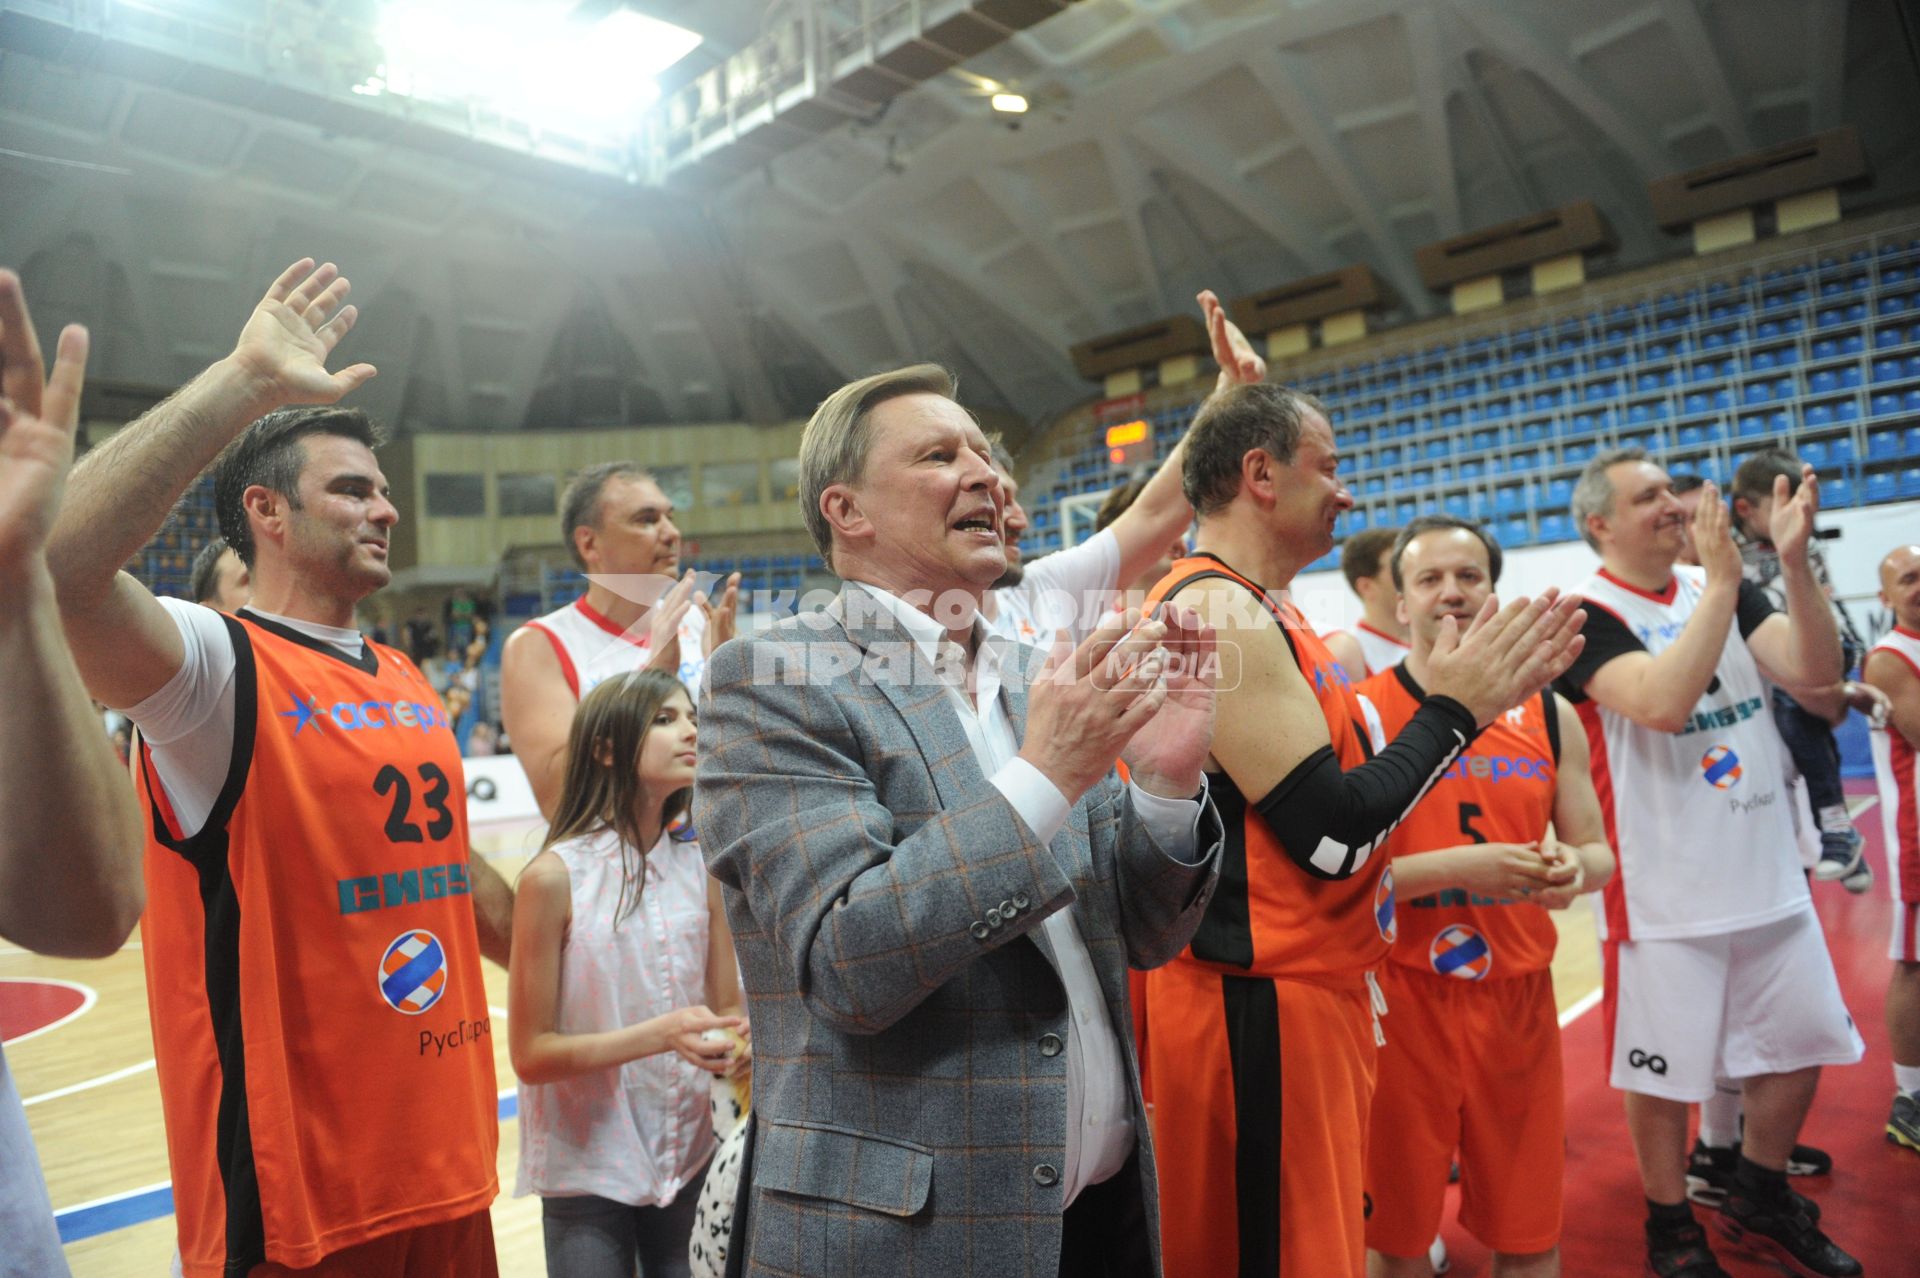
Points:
x=529, y=61
x=1010, y=103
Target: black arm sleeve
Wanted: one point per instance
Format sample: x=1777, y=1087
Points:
x=1753, y=608
x=1331, y=821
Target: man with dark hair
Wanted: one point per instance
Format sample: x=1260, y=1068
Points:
x=1378, y=640
x=315, y=915
x=1472, y=1057
x=219, y=579
x=618, y=526
x=1072, y=589
x=1266, y=1020
x=1806, y=728
x=70, y=857
x=1716, y=965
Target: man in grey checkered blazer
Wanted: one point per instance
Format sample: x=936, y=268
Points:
x=936, y=883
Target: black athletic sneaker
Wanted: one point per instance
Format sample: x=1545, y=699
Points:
x=1788, y=1237
x=1681, y=1253
x=1903, y=1124
x=1710, y=1174
x=1805, y=1160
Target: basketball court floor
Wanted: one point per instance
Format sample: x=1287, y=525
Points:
x=78, y=1042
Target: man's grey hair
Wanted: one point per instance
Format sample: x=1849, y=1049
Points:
x=1001, y=457
x=580, y=503
x=834, y=446
x=1593, y=491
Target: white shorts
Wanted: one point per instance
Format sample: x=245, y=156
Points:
x=1906, y=914
x=1760, y=1001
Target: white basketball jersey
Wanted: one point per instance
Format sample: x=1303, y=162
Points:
x=1896, y=765
x=1699, y=818
x=1382, y=650
x=593, y=649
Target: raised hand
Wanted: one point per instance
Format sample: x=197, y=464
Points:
x=1087, y=702
x=1790, y=527
x=37, y=422
x=1239, y=364
x=1713, y=538
x=1504, y=658
x=663, y=624
x=286, y=341
x=1166, y=755
x=723, y=618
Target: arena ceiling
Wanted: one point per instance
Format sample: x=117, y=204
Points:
x=1171, y=145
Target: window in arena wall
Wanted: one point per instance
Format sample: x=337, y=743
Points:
x=456, y=496
x=530, y=493
x=676, y=482
x=783, y=478
x=730, y=483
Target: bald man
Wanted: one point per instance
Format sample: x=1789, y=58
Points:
x=1893, y=666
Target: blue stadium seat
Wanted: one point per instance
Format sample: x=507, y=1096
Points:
x=1886, y=335
x=1836, y=493
x=1508, y=499
x=1815, y=453
x=1556, y=528
x=1818, y=415
x=1846, y=410
x=1910, y=482
x=1841, y=450
x=1455, y=504
x=1511, y=533
x=1913, y=441
x=1472, y=469
x=1883, y=445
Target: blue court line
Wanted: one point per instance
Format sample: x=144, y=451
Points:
x=105, y=1215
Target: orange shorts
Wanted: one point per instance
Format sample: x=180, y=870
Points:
x=1472, y=1066
x=463, y=1246
x=1262, y=1089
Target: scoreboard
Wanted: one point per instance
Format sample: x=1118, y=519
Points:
x=1129, y=443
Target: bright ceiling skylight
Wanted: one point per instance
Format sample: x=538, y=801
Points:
x=528, y=60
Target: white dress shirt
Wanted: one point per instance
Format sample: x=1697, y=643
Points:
x=1100, y=1131
x=1070, y=590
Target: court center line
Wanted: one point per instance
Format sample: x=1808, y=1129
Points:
x=89, y=1084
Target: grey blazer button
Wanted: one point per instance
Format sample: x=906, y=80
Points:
x=980, y=930
x=1020, y=901
x=1008, y=909
x=1045, y=1174
x=1050, y=1045
x=995, y=918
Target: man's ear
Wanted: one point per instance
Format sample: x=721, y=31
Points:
x=1257, y=467
x=583, y=540
x=266, y=511
x=840, y=505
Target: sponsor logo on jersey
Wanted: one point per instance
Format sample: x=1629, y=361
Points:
x=1517, y=716
x=413, y=972
x=1721, y=767
x=1724, y=717
x=405, y=887
x=1332, y=673
x=363, y=716
x=1383, y=907
x=1497, y=767
x=1460, y=951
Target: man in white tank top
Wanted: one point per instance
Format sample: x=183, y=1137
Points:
x=619, y=526
x=1715, y=959
x=1893, y=666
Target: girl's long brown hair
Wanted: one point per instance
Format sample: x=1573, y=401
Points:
x=602, y=789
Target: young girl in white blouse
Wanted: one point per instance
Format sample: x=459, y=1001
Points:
x=621, y=961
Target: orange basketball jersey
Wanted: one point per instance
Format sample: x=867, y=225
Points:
x=1499, y=790
x=320, y=1026
x=1269, y=917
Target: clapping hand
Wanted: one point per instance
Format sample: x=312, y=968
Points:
x=37, y=422
x=1790, y=527
x=1166, y=755
x=284, y=347
x=1713, y=537
x=723, y=618
x=1506, y=657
